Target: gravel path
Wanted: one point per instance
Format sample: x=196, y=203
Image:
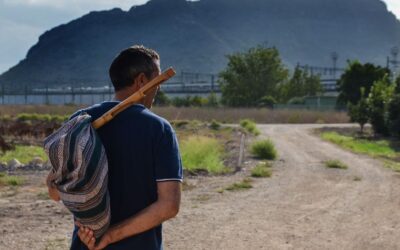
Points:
x=302, y=206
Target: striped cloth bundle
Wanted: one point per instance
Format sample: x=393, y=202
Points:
x=80, y=172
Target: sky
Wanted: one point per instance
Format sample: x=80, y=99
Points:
x=23, y=21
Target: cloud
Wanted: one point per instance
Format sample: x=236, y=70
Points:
x=394, y=6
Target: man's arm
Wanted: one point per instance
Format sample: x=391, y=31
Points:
x=166, y=207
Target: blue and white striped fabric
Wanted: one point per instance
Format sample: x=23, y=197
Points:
x=80, y=172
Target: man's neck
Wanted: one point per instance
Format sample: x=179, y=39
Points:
x=122, y=95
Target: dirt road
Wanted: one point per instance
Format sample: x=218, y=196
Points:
x=302, y=206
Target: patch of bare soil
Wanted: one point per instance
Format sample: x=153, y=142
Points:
x=304, y=205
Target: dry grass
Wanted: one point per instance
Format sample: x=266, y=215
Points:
x=223, y=114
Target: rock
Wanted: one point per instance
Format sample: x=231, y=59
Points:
x=14, y=163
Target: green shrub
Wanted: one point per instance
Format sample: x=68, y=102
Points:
x=244, y=184
x=250, y=126
x=394, y=115
x=335, y=164
x=24, y=154
x=215, y=125
x=261, y=170
x=267, y=101
x=264, y=149
x=202, y=153
x=11, y=180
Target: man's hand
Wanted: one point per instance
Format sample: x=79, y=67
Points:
x=166, y=207
x=87, y=238
x=86, y=235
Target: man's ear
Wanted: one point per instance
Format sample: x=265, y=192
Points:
x=141, y=80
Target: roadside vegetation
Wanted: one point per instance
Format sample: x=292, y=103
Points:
x=374, y=148
x=10, y=180
x=202, y=153
x=24, y=154
x=264, y=149
x=242, y=185
x=250, y=126
x=262, y=170
x=335, y=164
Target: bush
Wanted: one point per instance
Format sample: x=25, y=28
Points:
x=297, y=101
x=360, y=112
x=335, y=164
x=261, y=170
x=202, y=153
x=250, y=126
x=394, y=115
x=162, y=99
x=267, y=101
x=212, y=100
x=377, y=102
x=264, y=149
x=215, y=125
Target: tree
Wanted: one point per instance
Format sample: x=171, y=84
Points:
x=251, y=75
x=394, y=110
x=378, y=99
x=358, y=76
x=360, y=112
x=301, y=84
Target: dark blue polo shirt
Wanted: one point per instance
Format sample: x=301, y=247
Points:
x=142, y=150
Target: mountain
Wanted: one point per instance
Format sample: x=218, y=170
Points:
x=196, y=36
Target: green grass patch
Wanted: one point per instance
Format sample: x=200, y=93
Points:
x=264, y=149
x=11, y=180
x=24, y=154
x=250, y=126
x=243, y=185
x=262, y=170
x=395, y=166
x=380, y=148
x=335, y=164
x=203, y=153
x=357, y=178
x=41, y=117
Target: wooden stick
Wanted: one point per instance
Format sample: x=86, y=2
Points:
x=136, y=97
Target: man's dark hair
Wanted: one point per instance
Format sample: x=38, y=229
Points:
x=130, y=63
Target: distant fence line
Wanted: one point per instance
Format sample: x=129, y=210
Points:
x=185, y=83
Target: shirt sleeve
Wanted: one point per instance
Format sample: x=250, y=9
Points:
x=168, y=163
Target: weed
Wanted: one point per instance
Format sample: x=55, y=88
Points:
x=244, y=184
x=44, y=195
x=264, y=149
x=11, y=180
x=24, y=154
x=250, y=126
x=261, y=170
x=372, y=148
x=215, y=125
x=357, y=178
x=203, y=153
x=335, y=164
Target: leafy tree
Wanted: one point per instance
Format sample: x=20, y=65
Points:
x=378, y=100
x=251, y=75
x=267, y=101
x=394, y=110
x=301, y=84
x=360, y=112
x=358, y=76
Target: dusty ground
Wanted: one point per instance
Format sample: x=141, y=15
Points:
x=303, y=206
